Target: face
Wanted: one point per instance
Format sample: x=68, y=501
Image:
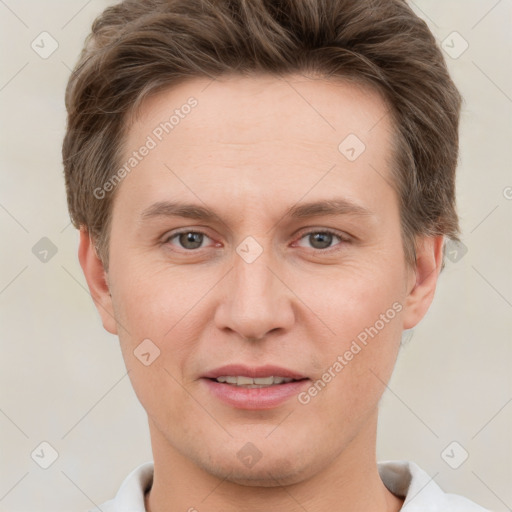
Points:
x=259, y=236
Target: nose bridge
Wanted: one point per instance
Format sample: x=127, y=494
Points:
x=253, y=280
x=256, y=301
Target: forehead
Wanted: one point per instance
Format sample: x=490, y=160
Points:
x=313, y=109
x=259, y=137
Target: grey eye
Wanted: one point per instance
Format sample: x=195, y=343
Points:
x=320, y=239
x=190, y=239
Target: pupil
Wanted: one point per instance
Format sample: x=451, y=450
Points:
x=321, y=240
x=191, y=240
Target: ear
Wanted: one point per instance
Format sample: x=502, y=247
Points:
x=423, y=279
x=97, y=280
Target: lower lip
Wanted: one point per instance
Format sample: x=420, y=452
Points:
x=255, y=398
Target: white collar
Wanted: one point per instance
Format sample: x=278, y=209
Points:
x=402, y=478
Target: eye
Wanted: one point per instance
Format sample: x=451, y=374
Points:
x=188, y=240
x=321, y=239
x=191, y=240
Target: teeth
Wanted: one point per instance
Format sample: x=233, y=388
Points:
x=249, y=382
x=242, y=381
x=265, y=381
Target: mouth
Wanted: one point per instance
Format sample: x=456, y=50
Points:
x=253, y=383
x=246, y=387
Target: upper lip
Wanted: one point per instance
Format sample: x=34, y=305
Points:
x=252, y=371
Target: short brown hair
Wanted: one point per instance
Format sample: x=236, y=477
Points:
x=139, y=47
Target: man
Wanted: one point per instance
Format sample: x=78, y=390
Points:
x=263, y=191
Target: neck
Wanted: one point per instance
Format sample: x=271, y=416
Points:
x=351, y=482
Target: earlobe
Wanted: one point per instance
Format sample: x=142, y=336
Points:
x=96, y=278
x=429, y=258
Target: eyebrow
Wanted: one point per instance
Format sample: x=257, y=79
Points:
x=328, y=207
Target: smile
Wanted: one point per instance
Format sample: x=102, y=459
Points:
x=250, y=382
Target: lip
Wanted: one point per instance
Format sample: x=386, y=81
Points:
x=253, y=371
x=254, y=398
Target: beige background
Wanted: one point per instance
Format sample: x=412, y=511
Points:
x=62, y=378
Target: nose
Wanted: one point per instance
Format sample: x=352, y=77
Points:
x=255, y=301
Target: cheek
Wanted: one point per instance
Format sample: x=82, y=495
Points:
x=153, y=302
x=364, y=314
x=353, y=299
x=163, y=314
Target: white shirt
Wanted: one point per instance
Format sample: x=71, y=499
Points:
x=404, y=479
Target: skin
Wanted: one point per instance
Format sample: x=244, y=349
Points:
x=251, y=149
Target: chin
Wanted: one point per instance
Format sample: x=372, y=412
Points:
x=271, y=469
x=269, y=474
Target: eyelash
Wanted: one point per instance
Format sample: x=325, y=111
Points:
x=343, y=239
